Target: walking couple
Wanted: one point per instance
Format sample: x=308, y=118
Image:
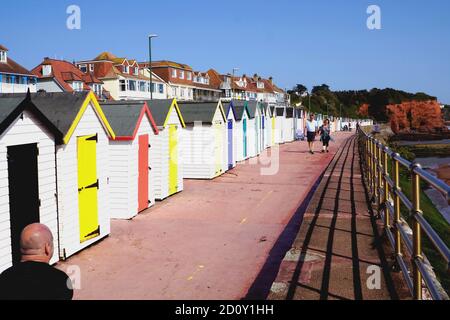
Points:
x=312, y=130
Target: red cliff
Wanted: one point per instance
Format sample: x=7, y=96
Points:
x=420, y=116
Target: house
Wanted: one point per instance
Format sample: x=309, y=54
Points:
x=230, y=114
x=82, y=160
x=124, y=79
x=205, y=141
x=241, y=129
x=204, y=89
x=28, y=175
x=180, y=78
x=167, y=154
x=131, y=171
x=62, y=76
x=13, y=77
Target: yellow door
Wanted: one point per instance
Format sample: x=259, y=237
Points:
x=218, y=128
x=273, y=130
x=173, y=159
x=88, y=188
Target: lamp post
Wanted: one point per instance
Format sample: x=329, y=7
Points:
x=232, y=80
x=150, y=37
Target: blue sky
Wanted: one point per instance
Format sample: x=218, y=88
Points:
x=295, y=41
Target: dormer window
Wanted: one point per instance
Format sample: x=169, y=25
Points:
x=3, y=56
x=136, y=70
x=83, y=68
x=77, y=86
x=189, y=76
x=91, y=68
x=46, y=70
x=181, y=74
x=174, y=73
x=260, y=85
x=126, y=69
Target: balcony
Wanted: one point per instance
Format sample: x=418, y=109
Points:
x=16, y=88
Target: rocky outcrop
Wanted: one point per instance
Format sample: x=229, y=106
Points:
x=416, y=116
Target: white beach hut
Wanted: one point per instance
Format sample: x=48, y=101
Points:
x=82, y=167
x=27, y=175
x=280, y=114
x=242, y=129
x=131, y=178
x=232, y=133
x=167, y=154
x=204, y=143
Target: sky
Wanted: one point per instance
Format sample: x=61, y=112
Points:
x=295, y=41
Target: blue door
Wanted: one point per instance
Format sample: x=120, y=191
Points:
x=230, y=145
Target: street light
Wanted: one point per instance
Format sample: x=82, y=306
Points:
x=150, y=37
x=232, y=80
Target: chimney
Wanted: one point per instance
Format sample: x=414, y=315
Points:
x=271, y=80
x=255, y=77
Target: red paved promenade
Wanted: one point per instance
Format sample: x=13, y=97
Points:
x=216, y=240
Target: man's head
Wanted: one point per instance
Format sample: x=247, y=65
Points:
x=311, y=116
x=36, y=243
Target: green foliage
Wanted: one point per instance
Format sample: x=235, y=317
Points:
x=347, y=103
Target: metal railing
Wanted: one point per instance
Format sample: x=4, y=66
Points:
x=383, y=184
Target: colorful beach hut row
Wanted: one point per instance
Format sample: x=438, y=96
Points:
x=73, y=164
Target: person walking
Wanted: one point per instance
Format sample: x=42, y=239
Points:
x=325, y=135
x=311, y=132
x=33, y=278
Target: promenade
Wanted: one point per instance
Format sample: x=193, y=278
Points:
x=219, y=239
x=339, y=253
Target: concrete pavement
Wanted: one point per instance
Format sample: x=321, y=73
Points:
x=339, y=253
x=212, y=241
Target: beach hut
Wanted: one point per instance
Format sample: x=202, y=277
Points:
x=205, y=141
x=167, y=154
x=232, y=129
x=273, y=118
x=131, y=178
x=288, y=127
x=242, y=129
x=280, y=113
x=267, y=126
x=82, y=161
x=263, y=125
x=254, y=124
x=27, y=175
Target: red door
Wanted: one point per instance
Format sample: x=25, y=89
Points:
x=143, y=172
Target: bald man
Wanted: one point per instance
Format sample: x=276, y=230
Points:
x=33, y=278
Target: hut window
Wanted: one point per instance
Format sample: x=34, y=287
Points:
x=161, y=88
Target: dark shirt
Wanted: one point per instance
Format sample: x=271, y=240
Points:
x=34, y=281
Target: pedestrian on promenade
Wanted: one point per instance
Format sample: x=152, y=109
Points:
x=311, y=132
x=33, y=278
x=325, y=135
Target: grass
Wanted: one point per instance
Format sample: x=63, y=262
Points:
x=429, y=150
x=436, y=221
